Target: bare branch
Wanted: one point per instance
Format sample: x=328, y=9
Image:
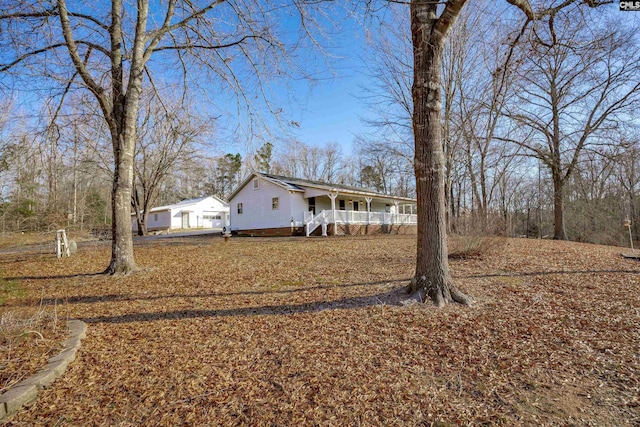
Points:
x=77, y=60
x=219, y=46
x=448, y=17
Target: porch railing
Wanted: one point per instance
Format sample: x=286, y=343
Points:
x=356, y=217
x=312, y=222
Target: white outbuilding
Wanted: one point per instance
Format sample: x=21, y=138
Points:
x=203, y=213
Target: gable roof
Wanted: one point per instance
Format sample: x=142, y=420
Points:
x=299, y=185
x=185, y=203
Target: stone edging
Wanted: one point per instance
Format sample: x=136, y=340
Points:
x=26, y=391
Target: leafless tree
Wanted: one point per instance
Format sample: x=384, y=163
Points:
x=301, y=160
x=591, y=198
x=114, y=50
x=387, y=151
x=431, y=23
x=483, y=81
x=577, y=83
x=381, y=168
x=474, y=87
x=628, y=175
x=168, y=134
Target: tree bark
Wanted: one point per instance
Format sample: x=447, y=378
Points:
x=559, y=232
x=142, y=213
x=432, y=275
x=122, y=260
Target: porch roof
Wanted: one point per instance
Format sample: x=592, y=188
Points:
x=297, y=184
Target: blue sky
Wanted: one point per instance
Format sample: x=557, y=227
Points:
x=333, y=112
x=328, y=110
x=331, y=108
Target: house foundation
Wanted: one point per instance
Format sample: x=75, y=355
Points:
x=272, y=232
x=364, y=229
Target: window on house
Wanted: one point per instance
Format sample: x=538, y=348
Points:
x=217, y=217
x=155, y=217
x=256, y=184
x=341, y=205
x=387, y=208
x=239, y=208
x=275, y=203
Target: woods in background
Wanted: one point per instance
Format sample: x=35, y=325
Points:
x=537, y=129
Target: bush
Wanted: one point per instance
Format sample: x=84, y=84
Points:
x=472, y=246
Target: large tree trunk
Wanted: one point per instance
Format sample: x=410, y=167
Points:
x=559, y=232
x=141, y=211
x=141, y=220
x=432, y=276
x=122, y=261
x=126, y=105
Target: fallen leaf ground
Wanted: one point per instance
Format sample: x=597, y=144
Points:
x=295, y=332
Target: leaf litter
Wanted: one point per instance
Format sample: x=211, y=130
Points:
x=309, y=332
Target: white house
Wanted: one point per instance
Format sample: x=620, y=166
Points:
x=265, y=204
x=205, y=212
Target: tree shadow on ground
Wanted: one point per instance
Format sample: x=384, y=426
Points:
x=66, y=276
x=395, y=297
x=549, y=273
x=88, y=299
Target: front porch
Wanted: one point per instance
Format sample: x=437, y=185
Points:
x=340, y=222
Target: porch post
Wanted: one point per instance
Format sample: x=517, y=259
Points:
x=397, y=205
x=333, y=195
x=324, y=225
x=368, y=199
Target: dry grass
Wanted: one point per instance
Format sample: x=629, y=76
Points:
x=28, y=337
x=473, y=246
x=14, y=240
x=43, y=242
x=294, y=332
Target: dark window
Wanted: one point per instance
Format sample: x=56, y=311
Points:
x=312, y=204
x=342, y=205
x=239, y=208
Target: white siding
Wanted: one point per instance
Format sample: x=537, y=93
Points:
x=172, y=218
x=197, y=212
x=163, y=221
x=379, y=206
x=299, y=206
x=323, y=203
x=257, y=209
x=257, y=212
x=176, y=218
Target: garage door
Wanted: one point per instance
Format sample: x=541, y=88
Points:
x=213, y=221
